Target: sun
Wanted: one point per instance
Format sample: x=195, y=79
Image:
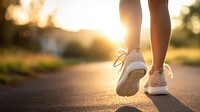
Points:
x=115, y=34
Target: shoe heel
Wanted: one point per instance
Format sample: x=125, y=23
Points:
x=130, y=85
x=137, y=74
x=158, y=90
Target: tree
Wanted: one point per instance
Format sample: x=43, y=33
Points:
x=188, y=32
x=101, y=49
x=22, y=35
x=6, y=27
x=75, y=49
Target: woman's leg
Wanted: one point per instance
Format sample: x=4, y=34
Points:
x=131, y=17
x=160, y=31
x=133, y=65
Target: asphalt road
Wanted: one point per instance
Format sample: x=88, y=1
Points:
x=91, y=87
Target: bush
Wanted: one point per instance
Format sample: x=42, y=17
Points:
x=8, y=79
x=3, y=68
x=15, y=67
x=5, y=79
x=179, y=42
x=19, y=68
x=101, y=49
x=74, y=49
x=187, y=61
x=43, y=66
x=187, y=34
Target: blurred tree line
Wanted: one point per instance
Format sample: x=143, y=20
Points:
x=13, y=35
x=28, y=36
x=187, y=34
x=100, y=49
x=6, y=27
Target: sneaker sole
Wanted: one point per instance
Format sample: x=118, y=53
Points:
x=156, y=90
x=130, y=85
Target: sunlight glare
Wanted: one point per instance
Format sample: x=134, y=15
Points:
x=74, y=15
x=116, y=34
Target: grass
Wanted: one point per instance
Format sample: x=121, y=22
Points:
x=182, y=56
x=43, y=66
x=10, y=79
x=15, y=66
x=75, y=61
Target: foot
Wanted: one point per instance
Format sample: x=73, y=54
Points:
x=134, y=69
x=156, y=83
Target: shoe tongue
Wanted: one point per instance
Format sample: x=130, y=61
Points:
x=160, y=72
x=133, y=51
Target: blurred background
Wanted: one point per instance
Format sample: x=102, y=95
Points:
x=44, y=35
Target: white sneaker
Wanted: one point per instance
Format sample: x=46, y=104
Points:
x=156, y=83
x=134, y=69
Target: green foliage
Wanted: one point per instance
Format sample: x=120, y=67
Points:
x=188, y=33
x=100, y=49
x=19, y=68
x=5, y=79
x=3, y=68
x=179, y=42
x=14, y=68
x=8, y=79
x=19, y=36
x=43, y=66
x=182, y=56
x=189, y=20
x=75, y=61
x=75, y=49
x=187, y=61
x=7, y=28
x=24, y=39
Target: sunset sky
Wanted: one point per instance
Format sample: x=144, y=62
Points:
x=100, y=14
x=92, y=14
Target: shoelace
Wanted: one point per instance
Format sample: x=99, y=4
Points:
x=166, y=69
x=123, y=52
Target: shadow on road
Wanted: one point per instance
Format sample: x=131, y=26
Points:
x=166, y=103
x=127, y=109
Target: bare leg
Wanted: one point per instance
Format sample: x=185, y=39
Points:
x=160, y=31
x=131, y=17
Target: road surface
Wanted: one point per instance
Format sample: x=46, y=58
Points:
x=91, y=87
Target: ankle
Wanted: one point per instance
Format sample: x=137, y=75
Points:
x=133, y=49
x=154, y=69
